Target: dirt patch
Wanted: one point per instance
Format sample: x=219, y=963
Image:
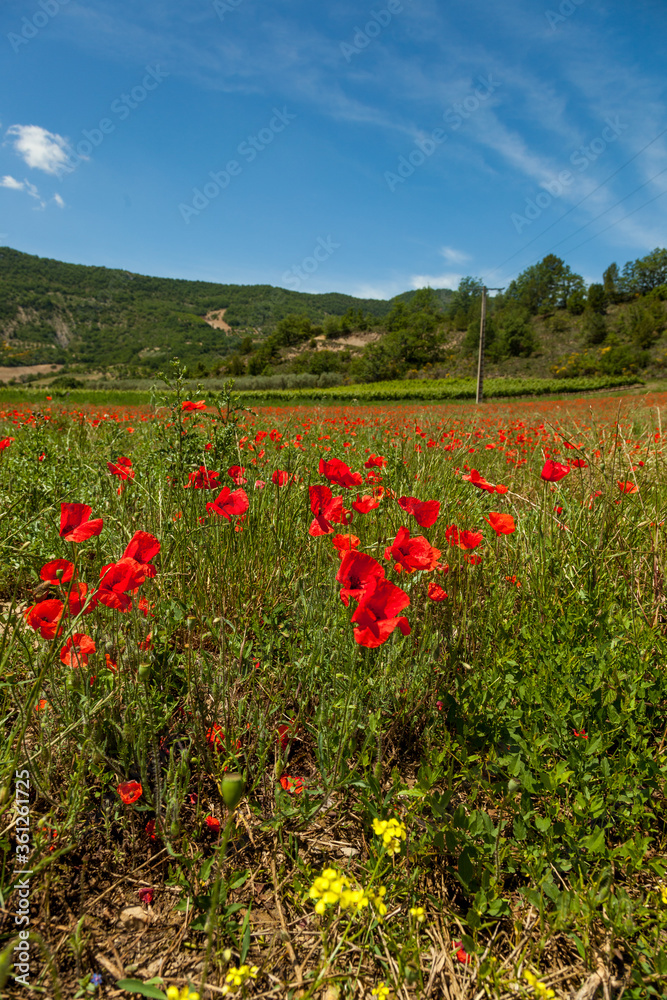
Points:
x=8, y=373
x=216, y=319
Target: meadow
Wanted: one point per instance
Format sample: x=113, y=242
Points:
x=333, y=701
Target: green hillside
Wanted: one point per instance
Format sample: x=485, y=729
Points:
x=113, y=324
x=51, y=312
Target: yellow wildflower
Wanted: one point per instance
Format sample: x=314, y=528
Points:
x=419, y=913
x=539, y=988
x=381, y=991
x=392, y=832
x=186, y=993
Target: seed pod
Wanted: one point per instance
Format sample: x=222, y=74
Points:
x=232, y=789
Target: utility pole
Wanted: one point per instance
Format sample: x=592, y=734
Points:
x=480, y=359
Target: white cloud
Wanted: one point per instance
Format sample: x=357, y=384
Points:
x=436, y=280
x=453, y=256
x=39, y=148
x=58, y=200
x=11, y=182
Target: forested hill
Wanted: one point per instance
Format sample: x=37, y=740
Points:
x=56, y=312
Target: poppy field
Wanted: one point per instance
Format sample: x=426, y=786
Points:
x=334, y=702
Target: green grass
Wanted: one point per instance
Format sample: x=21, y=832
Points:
x=398, y=391
x=542, y=851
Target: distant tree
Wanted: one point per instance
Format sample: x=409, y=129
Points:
x=594, y=327
x=544, y=286
x=596, y=298
x=464, y=301
x=642, y=275
x=576, y=302
x=610, y=281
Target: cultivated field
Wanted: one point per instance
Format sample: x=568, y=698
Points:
x=430, y=642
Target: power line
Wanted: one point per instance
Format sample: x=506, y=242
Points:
x=565, y=214
x=611, y=225
x=620, y=202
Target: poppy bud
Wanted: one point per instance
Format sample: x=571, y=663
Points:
x=411, y=974
x=232, y=789
x=144, y=671
x=513, y=786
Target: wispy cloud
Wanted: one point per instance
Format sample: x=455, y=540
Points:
x=453, y=256
x=59, y=201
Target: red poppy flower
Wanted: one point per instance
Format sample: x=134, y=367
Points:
x=45, y=618
x=345, y=543
x=578, y=463
x=74, y=523
x=412, y=554
x=364, y=504
x=435, y=592
x=513, y=579
x=76, y=650
x=582, y=734
x=130, y=791
x=552, y=471
x=502, y=524
x=477, y=480
x=113, y=667
x=143, y=547
x=57, y=571
x=228, y=504
x=356, y=571
x=292, y=785
x=146, y=894
x=628, y=487
x=236, y=474
x=471, y=558
x=215, y=736
x=328, y=510
x=188, y=406
x=203, y=479
x=461, y=954
x=122, y=468
x=378, y=613
x=150, y=829
x=76, y=599
x=375, y=462
x=285, y=733
x=118, y=578
x=339, y=473
x=281, y=478
x=464, y=539
x=425, y=512
x=259, y=484
x=212, y=823
x=5, y=443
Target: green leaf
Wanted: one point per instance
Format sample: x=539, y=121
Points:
x=136, y=986
x=245, y=935
x=595, y=843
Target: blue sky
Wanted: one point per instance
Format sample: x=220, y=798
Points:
x=354, y=147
